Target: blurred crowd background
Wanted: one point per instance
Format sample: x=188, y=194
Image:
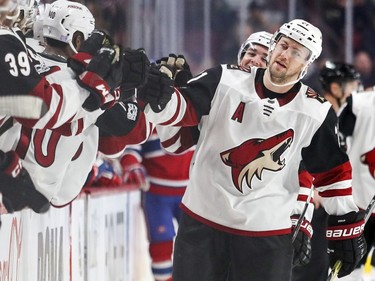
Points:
x=209, y=32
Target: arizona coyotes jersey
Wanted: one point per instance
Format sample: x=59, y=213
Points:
x=244, y=173
x=357, y=122
x=59, y=164
x=27, y=93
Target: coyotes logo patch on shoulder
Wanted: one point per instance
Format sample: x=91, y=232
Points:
x=250, y=158
x=238, y=67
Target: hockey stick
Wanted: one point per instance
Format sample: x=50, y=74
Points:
x=299, y=222
x=338, y=264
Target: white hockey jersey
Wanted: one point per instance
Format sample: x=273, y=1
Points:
x=244, y=173
x=357, y=123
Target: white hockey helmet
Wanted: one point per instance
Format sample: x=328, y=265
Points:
x=29, y=11
x=65, y=18
x=305, y=34
x=302, y=32
x=262, y=38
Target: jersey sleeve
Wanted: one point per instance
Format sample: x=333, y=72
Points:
x=55, y=96
x=330, y=167
x=189, y=104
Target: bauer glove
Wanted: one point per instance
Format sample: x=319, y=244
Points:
x=302, y=242
x=178, y=69
x=158, y=90
x=135, y=70
x=346, y=241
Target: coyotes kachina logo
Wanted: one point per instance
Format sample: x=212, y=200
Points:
x=253, y=156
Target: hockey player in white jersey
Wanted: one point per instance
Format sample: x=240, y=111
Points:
x=356, y=124
x=59, y=160
x=253, y=52
x=256, y=127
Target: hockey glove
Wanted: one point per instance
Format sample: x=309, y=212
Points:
x=136, y=68
x=369, y=159
x=158, y=90
x=134, y=172
x=302, y=243
x=102, y=76
x=178, y=69
x=16, y=186
x=346, y=241
x=98, y=39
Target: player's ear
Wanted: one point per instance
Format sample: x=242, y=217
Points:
x=77, y=40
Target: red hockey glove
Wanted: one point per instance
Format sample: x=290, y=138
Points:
x=108, y=178
x=102, y=76
x=369, y=159
x=346, y=241
x=302, y=243
x=133, y=172
x=16, y=186
x=135, y=70
x=158, y=90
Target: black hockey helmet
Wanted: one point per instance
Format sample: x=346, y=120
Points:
x=338, y=72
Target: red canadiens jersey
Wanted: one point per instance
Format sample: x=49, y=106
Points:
x=357, y=123
x=168, y=173
x=244, y=173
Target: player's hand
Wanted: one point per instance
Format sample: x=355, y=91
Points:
x=158, y=90
x=346, y=241
x=134, y=172
x=135, y=69
x=101, y=77
x=369, y=159
x=17, y=188
x=302, y=243
x=178, y=69
x=97, y=40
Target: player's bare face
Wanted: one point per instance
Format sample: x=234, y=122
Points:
x=256, y=55
x=287, y=61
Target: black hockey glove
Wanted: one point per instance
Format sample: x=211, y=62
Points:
x=136, y=69
x=178, y=69
x=302, y=242
x=346, y=241
x=16, y=186
x=102, y=76
x=158, y=90
x=98, y=39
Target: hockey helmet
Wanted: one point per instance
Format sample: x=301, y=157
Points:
x=28, y=11
x=65, y=18
x=262, y=38
x=337, y=72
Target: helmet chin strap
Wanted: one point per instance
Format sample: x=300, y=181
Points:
x=300, y=76
x=72, y=46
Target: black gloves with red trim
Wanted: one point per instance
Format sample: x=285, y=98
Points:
x=107, y=72
x=164, y=75
x=16, y=186
x=302, y=242
x=369, y=159
x=346, y=241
